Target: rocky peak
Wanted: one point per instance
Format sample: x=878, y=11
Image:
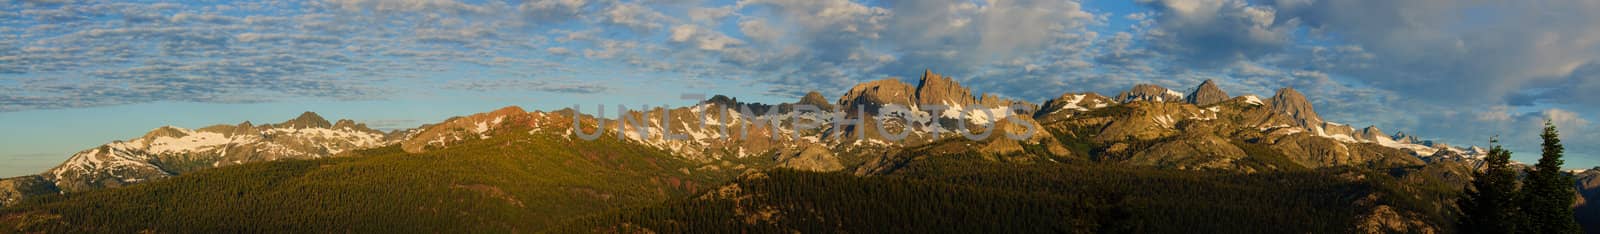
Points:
x=721, y=100
x=353, y=125
x=875, y=94
x=307, y=120
x=478, y=126
x=1291, y=102
x=1404, y=138
x=936, y=89
x=1150, y=93
x=733, y=103
x=508, y=110
x=815, y=99
x=165, y=131
x=1206, y=94
x=1370, y=133
x=344, y=123
x=1475, y=150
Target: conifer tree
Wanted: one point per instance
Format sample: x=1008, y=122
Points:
x=1548, y=193
x=1490, y=205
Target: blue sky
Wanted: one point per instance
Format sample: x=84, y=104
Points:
x=75, y=74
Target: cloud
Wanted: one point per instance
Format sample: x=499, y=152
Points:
x=553, y=86
x=1438, y=48
x=551, y=9
x=1217, y=31
x=400, y=6
x=635, y=16
x=702, y=38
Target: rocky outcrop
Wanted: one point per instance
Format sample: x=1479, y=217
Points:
x=1206, y=94
x=1339, y=131
x=871, y=96
x=935, y=89
x=1292, y=103
x=816, y=99
x=1372, y=134
x=1403, y=138
x=810, y=158
x=1149, y=93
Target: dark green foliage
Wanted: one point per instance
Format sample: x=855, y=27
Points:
x=509, y=183
x=1548, y=192
x=967, y=194
x=1490, y=205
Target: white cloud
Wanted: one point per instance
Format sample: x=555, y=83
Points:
x=635, y=16
x=710, y=15
x=702, y=38
x=1217, y=31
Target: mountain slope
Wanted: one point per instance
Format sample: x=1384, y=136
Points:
x=509, y=182
x=169, y=151
x=965, y=193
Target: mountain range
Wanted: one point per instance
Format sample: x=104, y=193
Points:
x=1149, y=128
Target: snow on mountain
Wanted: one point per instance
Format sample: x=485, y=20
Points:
x=168, y=151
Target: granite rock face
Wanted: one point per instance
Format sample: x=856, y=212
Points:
x=1206, y=94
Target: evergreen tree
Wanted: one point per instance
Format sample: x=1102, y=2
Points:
x=1490, y=205
x=1548, y=192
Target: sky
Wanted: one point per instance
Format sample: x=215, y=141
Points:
x=76, y=74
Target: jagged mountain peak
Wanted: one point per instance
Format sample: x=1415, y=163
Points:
x=874, y=94
x=815, y=98
x=353, y=125
x=723, y=100
x=940, y=90
x=307, y=120
x=1149, y=92
x=1206, y=94
x=1290, y=101
x=1404, y=138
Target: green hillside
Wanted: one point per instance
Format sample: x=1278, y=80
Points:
x=509, y=183
x=965, y=194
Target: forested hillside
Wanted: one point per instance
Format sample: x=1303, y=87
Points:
x=509, y=183
x=964, y=193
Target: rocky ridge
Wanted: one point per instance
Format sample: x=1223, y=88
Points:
x=1147, y=125
x=169, y=151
